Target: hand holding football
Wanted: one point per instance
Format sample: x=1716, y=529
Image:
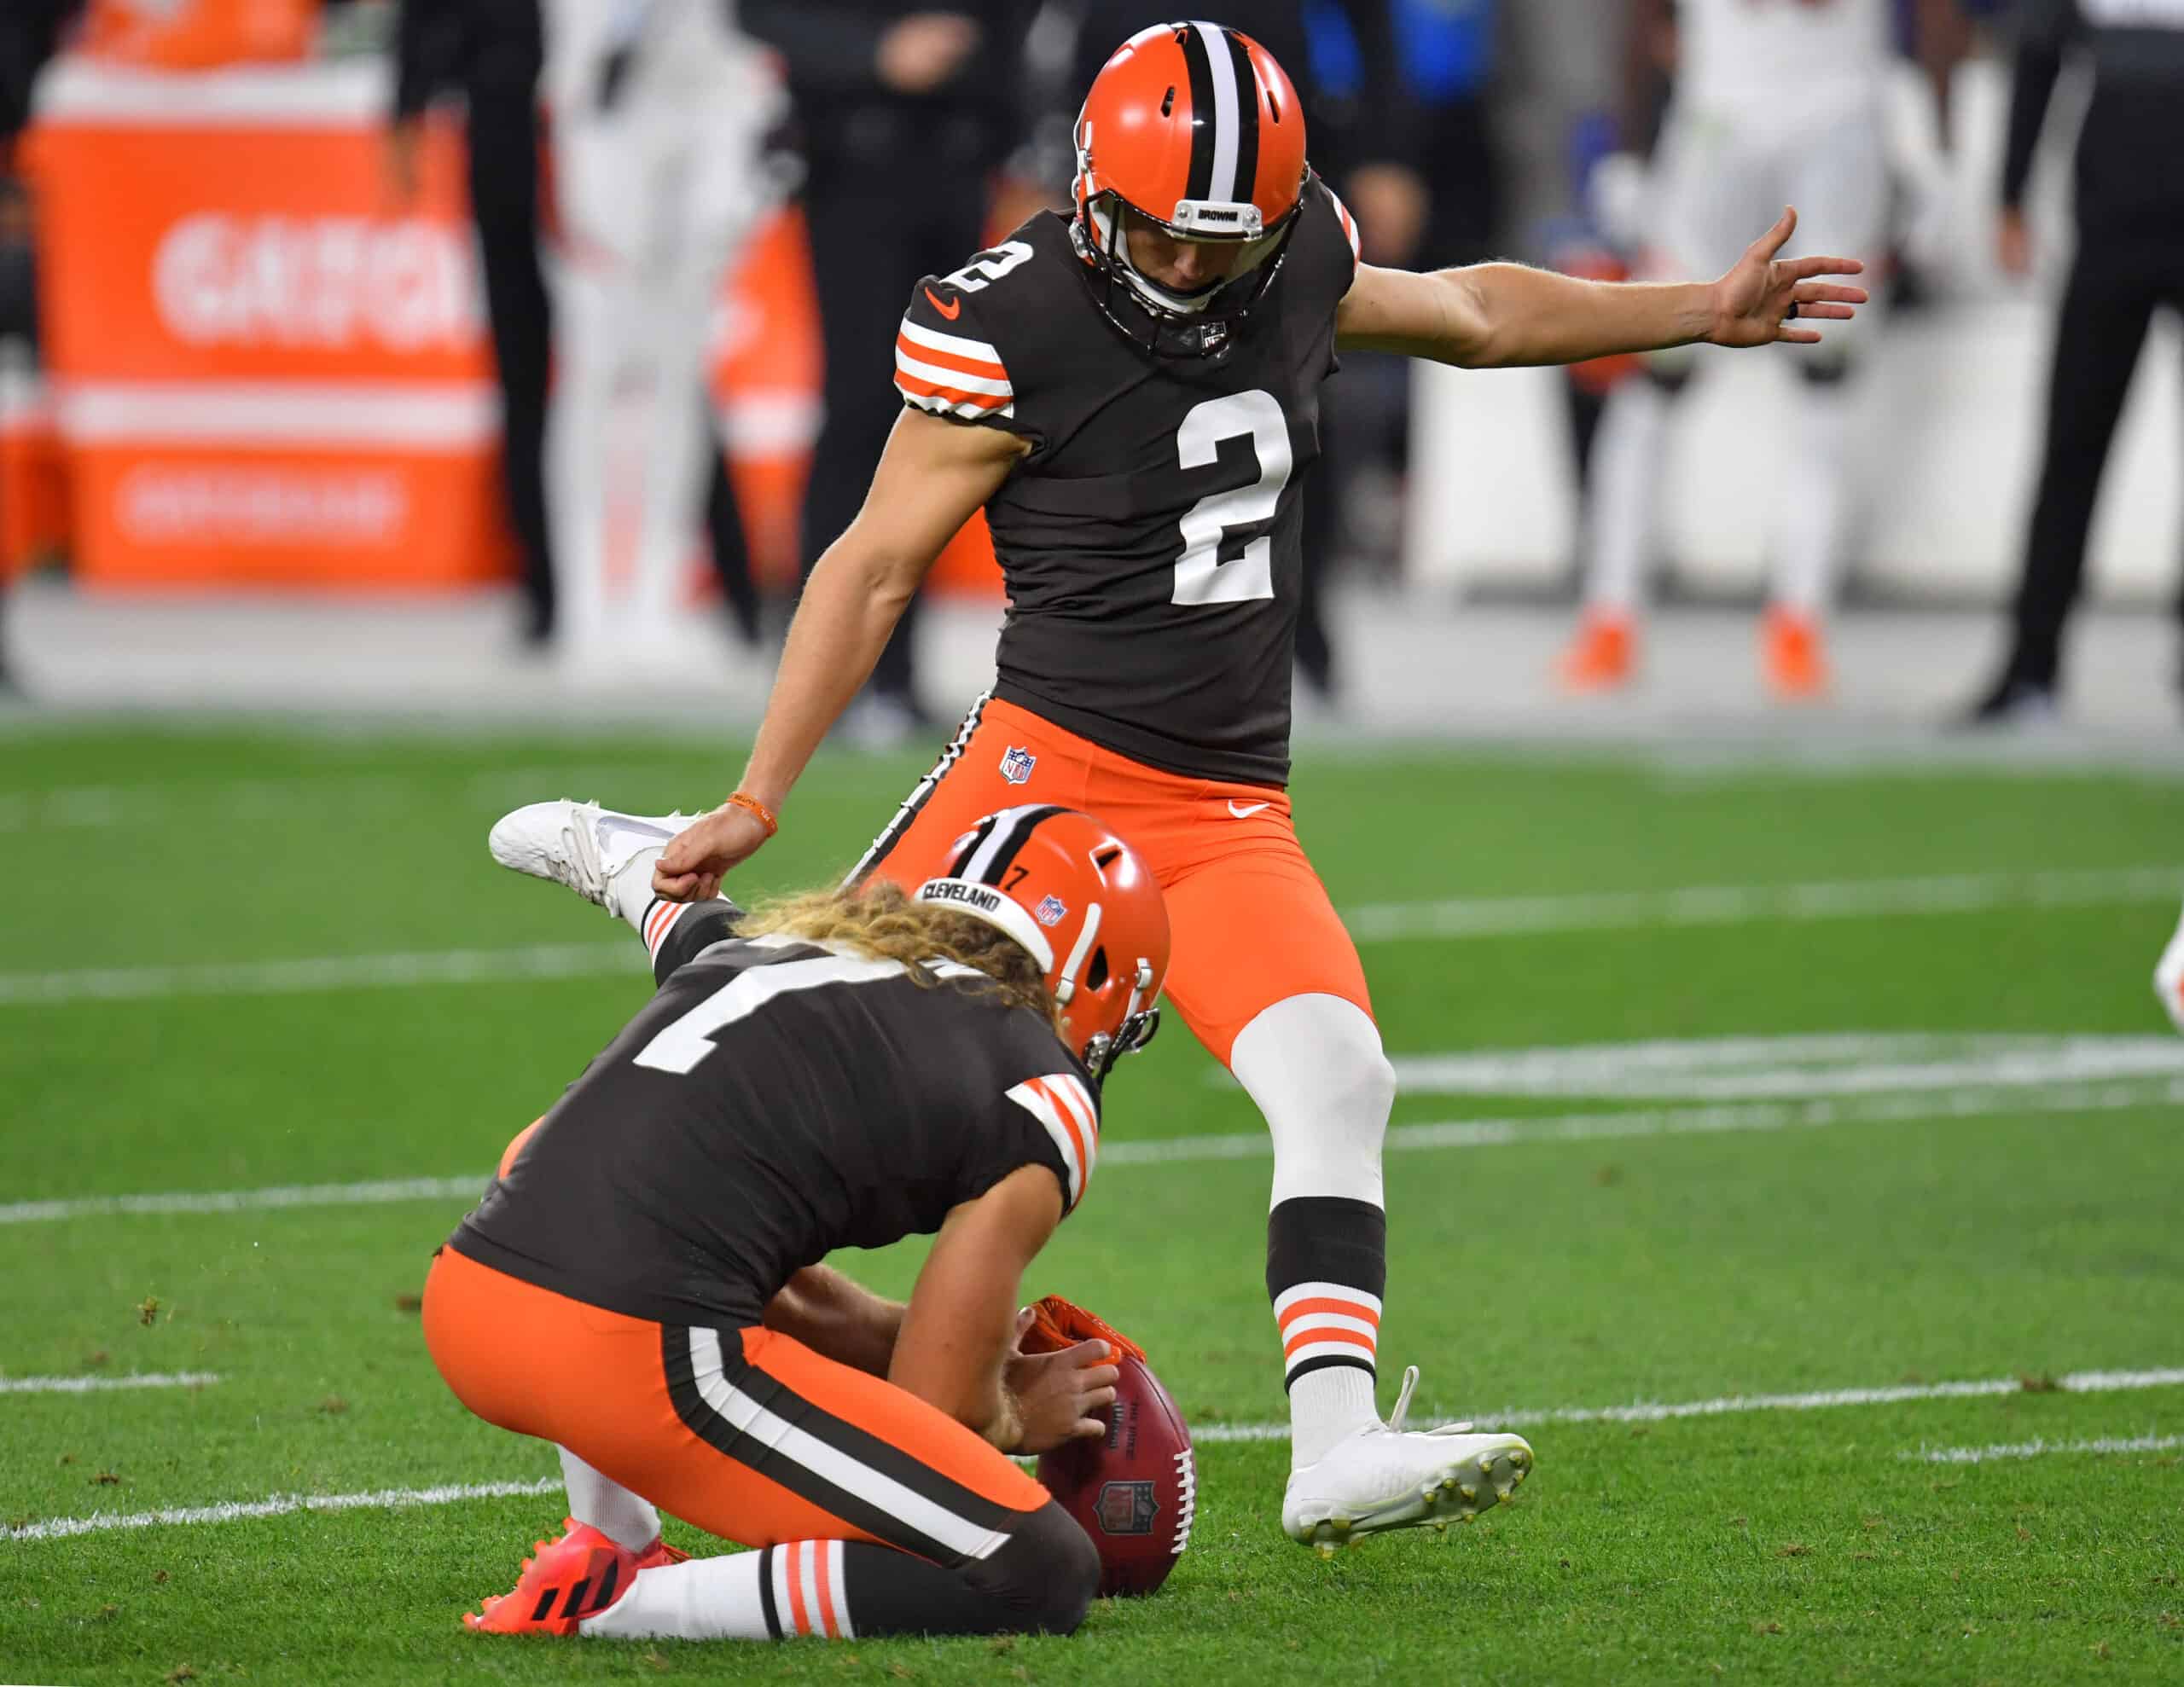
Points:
x=1134, y=1489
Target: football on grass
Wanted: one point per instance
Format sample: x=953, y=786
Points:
x=1134, y=1490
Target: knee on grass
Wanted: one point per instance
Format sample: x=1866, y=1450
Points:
x=1045, y=1577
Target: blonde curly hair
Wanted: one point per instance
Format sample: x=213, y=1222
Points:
x=880, y=920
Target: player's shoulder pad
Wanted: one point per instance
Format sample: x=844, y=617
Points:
x=1069, y=1109
x=968, y=339
x=1322, y=202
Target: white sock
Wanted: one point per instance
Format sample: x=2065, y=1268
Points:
x=1623, y=513
x=705, y=1599
x=1815, y=504
x=726, y=1598
x=629, y=893
x=1324, y=1406
x=625, y=1518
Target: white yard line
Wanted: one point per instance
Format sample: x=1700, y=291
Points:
x=250, y=1200
x=70, y=807
x=1379, y=922
x=1740, y=904
x=1662, y=1411
x=1640, y=1412
x=97, y=1385
x=1762, y=1069
x=2039, y=1449
x=1618, y=1125
x=320, y=972
x=280, y=1505
x=1614, y=1125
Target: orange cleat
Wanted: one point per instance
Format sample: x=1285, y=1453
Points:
x=1796, y=655
x=576, y=1577
x=1602, y=656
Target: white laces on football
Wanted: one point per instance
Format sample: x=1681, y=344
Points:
x=1403, y=1408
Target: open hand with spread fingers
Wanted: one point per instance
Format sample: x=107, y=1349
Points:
x=1767, y=298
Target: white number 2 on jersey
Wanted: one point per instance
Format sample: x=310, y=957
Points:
x=989, y=267
x=1201, y=576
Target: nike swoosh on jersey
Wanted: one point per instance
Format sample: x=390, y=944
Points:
x=1244, y=811
x=951, y=311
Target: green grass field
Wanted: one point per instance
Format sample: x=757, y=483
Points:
x=1975, y=1178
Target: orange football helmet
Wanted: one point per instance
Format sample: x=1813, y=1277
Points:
x=1080, y=900
x=1195, y=128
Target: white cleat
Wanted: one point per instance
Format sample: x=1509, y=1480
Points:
x=1388, y=1477
x=2169, y=978
x=578, y=845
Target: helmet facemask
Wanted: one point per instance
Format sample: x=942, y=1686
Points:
x=1141, y=1020
x=1199, y=323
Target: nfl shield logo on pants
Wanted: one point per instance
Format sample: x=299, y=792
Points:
x=1016, y=766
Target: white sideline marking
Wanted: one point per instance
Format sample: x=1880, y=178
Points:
x=1736, y=904
x=2035, y=1449
x=250, y=1200
x=64, y=807
x=1720, y=1069
x=280, y=1505
x=1641, y=1411
x=1985, y=1102
x=1377, y=921
x=1592, y=1127
x=320, y=972
x=1661, y=1411
x=91, y=1385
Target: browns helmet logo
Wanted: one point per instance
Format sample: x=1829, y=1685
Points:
x=1126, y=1508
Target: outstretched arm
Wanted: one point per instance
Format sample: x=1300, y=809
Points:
x=932, y=477
x=1502, y=316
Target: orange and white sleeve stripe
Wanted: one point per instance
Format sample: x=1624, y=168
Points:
x=809, y=1599
x=1063, y=1103
x=951, y=376
x=1327, y=1321
x=1349, y=227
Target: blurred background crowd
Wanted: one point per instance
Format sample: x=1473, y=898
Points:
x=588, y=304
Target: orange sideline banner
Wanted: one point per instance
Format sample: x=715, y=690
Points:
x=266, y=373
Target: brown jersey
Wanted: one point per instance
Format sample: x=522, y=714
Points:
x=776, y=1100
x=1150, y=539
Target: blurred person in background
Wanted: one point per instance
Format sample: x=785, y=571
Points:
x=30, y=34
x=660, y=111
x=1604, y=238
x=907, y=113
x=492, y=51
x=1778, y=102
x=2129, y=175
x=1405, y=83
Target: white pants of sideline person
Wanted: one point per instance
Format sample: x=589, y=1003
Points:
x=658, y=110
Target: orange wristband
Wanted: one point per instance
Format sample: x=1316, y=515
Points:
x=752, y=805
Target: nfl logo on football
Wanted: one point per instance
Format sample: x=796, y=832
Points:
x=1051, y=911
x=1016, y=766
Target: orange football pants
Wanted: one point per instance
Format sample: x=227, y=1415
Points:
x=608, y=1388
x=1250, y=922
